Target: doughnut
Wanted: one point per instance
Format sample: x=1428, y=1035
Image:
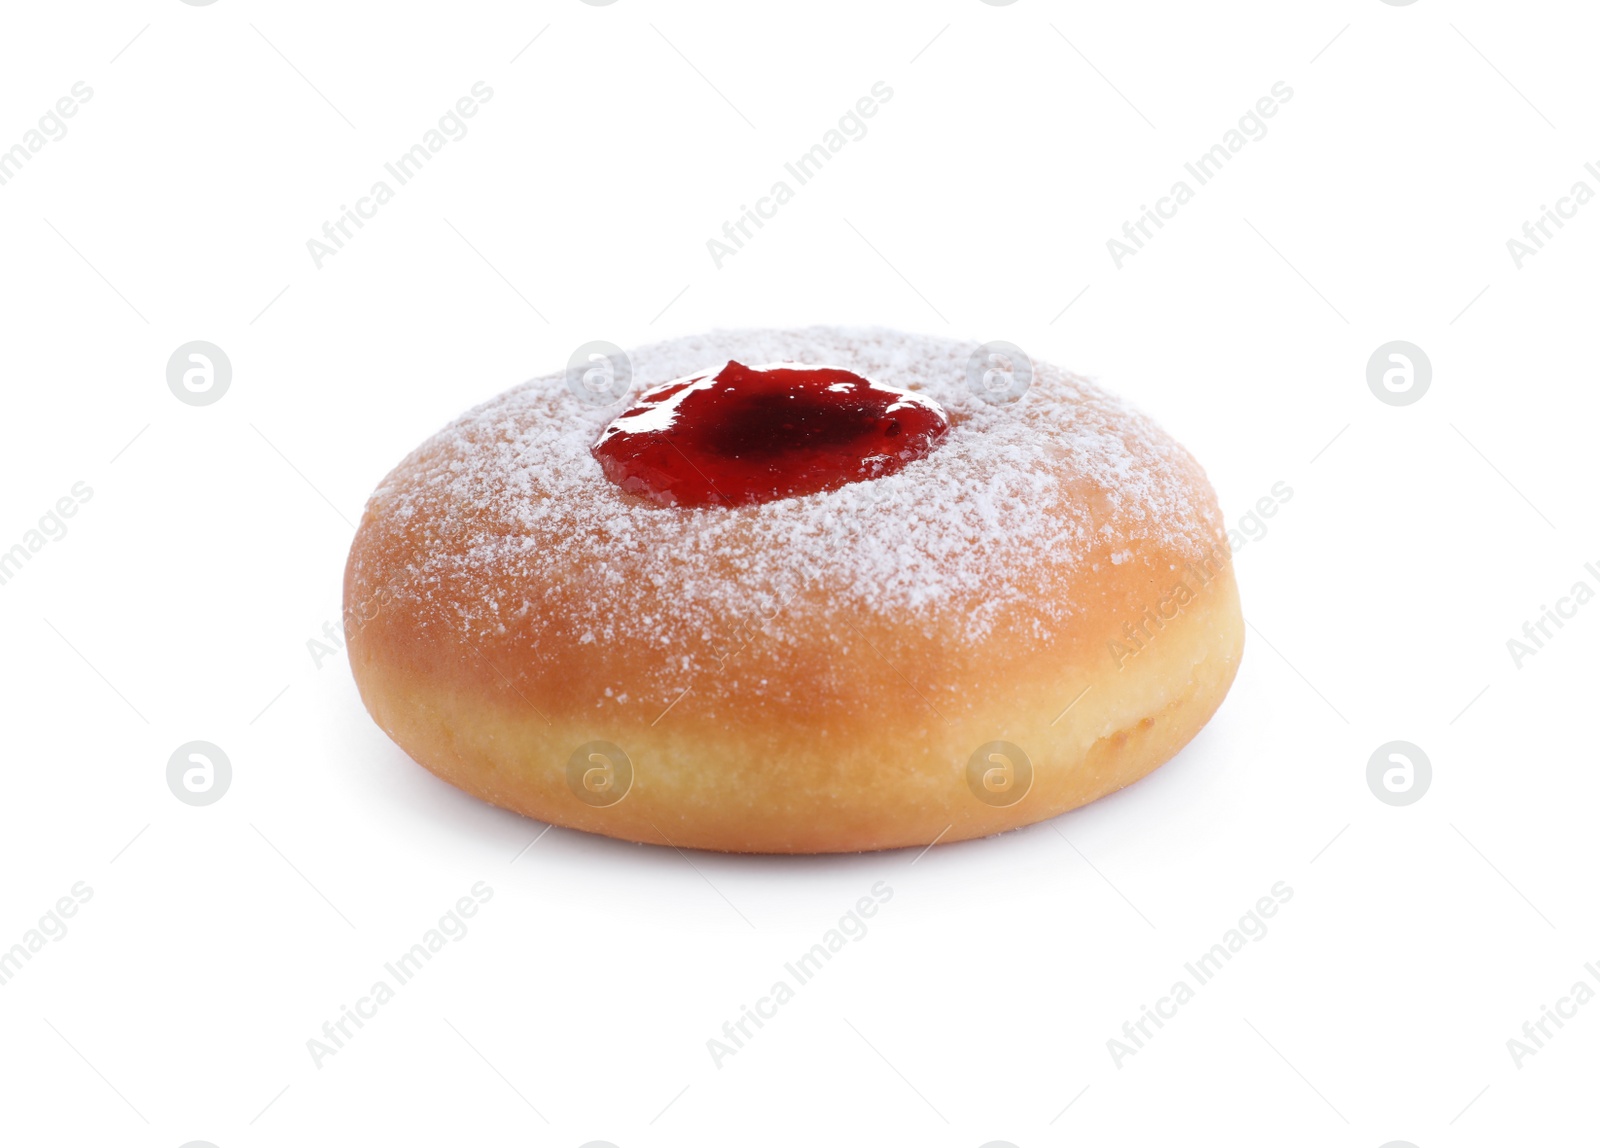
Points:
x=794, y=591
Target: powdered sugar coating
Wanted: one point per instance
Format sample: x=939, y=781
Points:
x=509, y=496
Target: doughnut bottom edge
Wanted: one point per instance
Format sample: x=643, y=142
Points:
x=888, y=784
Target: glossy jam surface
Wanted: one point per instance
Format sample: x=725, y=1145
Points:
x=743, y=435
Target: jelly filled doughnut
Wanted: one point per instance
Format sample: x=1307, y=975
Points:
x=801, y=591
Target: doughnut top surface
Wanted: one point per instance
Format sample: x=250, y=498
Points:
x=744, y=435
x=503, y=535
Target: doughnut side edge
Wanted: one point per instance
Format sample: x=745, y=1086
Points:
x=754, y=787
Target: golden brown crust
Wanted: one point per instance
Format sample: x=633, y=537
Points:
x=806, y=676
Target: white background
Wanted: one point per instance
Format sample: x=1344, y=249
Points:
x=1418, y=540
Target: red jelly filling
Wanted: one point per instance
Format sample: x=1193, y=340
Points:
x=743, y=435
